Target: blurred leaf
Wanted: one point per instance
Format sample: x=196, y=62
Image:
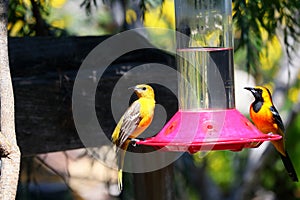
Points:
x=253, y=17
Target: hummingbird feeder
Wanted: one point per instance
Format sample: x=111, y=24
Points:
x=207, y=118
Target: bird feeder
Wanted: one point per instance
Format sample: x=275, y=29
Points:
x=207, y=118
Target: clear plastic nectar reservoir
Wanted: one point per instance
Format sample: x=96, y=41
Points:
x=206, y=57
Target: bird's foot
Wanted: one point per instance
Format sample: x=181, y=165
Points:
x=134, y=141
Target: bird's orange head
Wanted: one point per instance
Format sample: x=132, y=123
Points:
x=144, y=90
x=260, y=93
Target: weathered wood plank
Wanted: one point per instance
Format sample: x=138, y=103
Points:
x=43, y=71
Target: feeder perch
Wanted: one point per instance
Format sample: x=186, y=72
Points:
x=207, y=118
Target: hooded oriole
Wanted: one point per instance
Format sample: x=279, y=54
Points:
x=134, y=121
x=267, y=119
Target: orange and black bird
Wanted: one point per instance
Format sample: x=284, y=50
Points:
x=267, y=119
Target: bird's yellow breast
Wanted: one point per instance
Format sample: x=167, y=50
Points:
x=146, y=115
x=147, y=107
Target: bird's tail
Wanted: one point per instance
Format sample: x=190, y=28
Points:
x=121, y=158
x=120, y=181
x=289, y=166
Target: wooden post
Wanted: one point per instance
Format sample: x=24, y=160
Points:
x=156, y=185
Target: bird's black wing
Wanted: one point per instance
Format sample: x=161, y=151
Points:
x=130, y=121
x=277, y=118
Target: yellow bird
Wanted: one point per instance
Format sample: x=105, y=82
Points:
x=267, y=119
x=135, y=120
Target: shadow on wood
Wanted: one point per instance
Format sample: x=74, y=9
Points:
x=43, y=72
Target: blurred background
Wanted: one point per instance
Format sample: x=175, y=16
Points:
x=266, y=52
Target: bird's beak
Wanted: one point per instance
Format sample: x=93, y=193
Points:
x=132, y=88
x=135, y=88
x=251, y=89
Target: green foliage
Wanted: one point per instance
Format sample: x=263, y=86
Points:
x=88, y=4
x=254, y=16
x=144, y=4
x=220, y=168
x=148, y=4
x=18, y=13
x=28, y=18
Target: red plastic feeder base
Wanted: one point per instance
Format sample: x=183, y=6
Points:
x=207, y=130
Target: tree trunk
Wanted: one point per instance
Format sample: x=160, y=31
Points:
x=10, y=163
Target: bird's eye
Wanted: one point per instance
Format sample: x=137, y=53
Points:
x=144, y=88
